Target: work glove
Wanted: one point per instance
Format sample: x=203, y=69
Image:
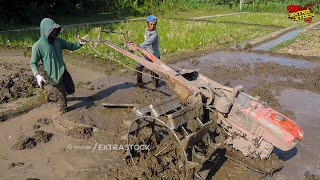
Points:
x=83, y=40
x=40, y=79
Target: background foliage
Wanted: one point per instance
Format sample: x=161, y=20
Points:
x=32, y=11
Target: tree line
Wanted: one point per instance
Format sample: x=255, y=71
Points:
x=30, y=11
x=17, y=11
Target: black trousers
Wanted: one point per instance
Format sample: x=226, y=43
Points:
x=61, y=90
x=140, y=67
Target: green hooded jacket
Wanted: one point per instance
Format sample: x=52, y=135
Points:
x=50, y=54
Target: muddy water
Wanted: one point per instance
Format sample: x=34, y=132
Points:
x=239, y=58
x=287, y=36
x=305, y=157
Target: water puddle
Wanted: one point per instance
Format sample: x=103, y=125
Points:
x=287, y=36
x=305, y=105
x=238, y=58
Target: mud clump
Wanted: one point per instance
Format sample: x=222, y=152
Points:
x=86, y=120
x=40, y=137
x=309, y=176
x=163, y=159
x=17, y=85
x=42, y=122
x=17, y=164
x=81, y=132
x=26, y=143
x=91, y=88
x=87, y=84
x=36, y=126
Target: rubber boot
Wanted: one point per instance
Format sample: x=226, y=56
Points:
x=155, y=80
x=139, y=79
x=60, y=99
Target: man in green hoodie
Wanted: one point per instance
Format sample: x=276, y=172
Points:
x=48, y=49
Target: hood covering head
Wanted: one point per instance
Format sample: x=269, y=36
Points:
x=46, y=27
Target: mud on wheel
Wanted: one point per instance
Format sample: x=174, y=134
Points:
x=163, y=158
x=266, y=167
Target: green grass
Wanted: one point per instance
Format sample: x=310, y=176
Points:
x=205, y=11
x=175, y=35
x=200, y=9
x=263, y=19
x=266, y=7
x=275, y=7
x=84, y=18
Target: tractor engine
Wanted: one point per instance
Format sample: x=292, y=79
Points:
x=255, y=129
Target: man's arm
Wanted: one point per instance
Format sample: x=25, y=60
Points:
x=149, y=40
x=69, y=45
x=35, y=56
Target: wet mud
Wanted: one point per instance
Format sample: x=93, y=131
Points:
x=39, y=137
x=305, y=156
x=310, y=176
x=16, y=79
x=264, y=75
x=80, y=132
x=17, y=85
x=18, y=93
x=162, y=160
x=42, y=122
x=17, y=164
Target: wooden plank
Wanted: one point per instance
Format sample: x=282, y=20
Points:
x=112, y=105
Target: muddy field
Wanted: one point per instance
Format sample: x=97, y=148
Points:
x=16, y=81
x=307, y=46
x=45, y=144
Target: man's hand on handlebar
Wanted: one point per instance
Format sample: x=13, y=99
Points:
x=130, y=46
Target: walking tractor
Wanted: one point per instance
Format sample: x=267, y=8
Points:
x=201, y=122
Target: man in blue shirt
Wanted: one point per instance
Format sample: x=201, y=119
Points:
x=151, y=44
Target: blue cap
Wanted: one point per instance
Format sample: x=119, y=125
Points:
x=152, y=18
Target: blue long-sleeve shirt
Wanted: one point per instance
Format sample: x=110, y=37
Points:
x=151, y=42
